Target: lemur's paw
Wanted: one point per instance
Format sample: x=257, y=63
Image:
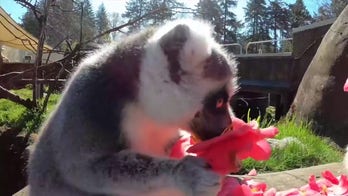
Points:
x=195, y=178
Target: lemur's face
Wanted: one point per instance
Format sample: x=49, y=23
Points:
x=189, y=79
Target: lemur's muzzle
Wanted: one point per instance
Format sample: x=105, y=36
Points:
x=210, y=123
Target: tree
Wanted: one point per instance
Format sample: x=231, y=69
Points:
x=330, y=9
x=230, y=23
x=89, y=28
x=279, y=17
x=30, y=23
x=135, y=9
x=115, y=20
x=337, y=6
x=211, y=11
x=167, y=14
x=63, y=22
x=256, y=20
x=103, y=23
x=299, y=14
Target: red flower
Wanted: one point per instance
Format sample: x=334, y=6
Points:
x=180, y=147
x=245, y=140
x=329, y=185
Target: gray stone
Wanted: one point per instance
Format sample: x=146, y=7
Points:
x=283, y=143
x=320, y=97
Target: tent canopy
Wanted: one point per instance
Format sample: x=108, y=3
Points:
x=13, y=35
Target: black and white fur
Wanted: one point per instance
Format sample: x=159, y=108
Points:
x=123, y=109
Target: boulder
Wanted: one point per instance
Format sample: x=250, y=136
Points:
x=320, y=97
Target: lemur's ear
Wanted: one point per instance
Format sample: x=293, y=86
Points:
x=171, y=44
x=175, y=38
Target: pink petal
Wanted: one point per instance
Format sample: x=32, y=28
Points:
x=345, y=88
x=269, y=132
x=246, y=191
x=290, y=192
x=180, y=147
x=260, y=151
x=330, y=177
x=270, y=192
x=313, y=184
x=252, y=172
x=343, y=181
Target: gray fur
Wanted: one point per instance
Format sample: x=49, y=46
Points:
x=83, y=150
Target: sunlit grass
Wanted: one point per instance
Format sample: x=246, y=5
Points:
x=17, y=116
x=312, y=150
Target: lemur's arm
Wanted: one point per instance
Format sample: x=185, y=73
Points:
x=130, y=173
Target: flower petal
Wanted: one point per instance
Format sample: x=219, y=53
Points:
x=328, y=175
x=313, y=184
x=345, y=88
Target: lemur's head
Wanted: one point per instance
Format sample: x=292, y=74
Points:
x=187, y=79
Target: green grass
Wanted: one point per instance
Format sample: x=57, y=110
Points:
x=314, y=150
x=17, y=116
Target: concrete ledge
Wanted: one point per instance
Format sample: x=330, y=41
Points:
x=280, y=180
x=298, y=177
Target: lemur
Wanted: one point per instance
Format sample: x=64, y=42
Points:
x=125, y=106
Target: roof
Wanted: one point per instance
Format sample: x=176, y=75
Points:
x=13, y=35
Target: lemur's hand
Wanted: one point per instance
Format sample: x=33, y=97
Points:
x=195, y=178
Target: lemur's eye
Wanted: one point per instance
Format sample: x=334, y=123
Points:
x=219, y=103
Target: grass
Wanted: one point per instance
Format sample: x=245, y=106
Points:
x=17, y=116
x=312, y=150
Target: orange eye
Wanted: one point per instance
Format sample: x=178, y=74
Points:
x=219, y=103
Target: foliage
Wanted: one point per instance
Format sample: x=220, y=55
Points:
x=257, y=25
x=279, y=14
x=312, y=150
x=210, y=10
x=330, y=9
x=299, y=14
x=30, y=23
x=64, y=21
x=231, y=25
x=137, y=8
x=256, y=20
x=222, y=18
x=89, y=28
x=115, y=20
x=103, y=23
x=168, y=13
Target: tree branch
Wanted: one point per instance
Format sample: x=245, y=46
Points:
x=30, y=6
x=6, y=94
x=126, y=24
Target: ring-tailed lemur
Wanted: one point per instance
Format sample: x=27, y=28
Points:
x=122, y=109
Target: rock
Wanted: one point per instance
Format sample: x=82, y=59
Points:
x=320, y=97
x=283, y=143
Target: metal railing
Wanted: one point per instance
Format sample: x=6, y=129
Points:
x=235, y=44
x=260, y=49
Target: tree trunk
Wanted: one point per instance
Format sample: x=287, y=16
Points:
x=320, y=97
x=40, y=46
